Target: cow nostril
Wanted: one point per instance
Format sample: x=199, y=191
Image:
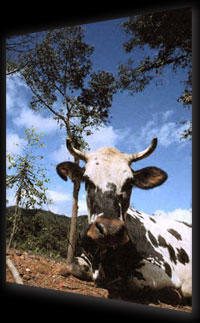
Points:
x=100, y=228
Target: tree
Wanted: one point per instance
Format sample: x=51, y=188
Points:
x=60, y=77
x=168, y=37
x=16, y=49
x=28, y=178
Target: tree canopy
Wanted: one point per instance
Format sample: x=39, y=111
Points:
x=59, y=73
x=17, y=47
x=168, y=37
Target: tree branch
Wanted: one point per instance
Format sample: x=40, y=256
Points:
x=160, y=63
x=48, y=106
x=17, y=69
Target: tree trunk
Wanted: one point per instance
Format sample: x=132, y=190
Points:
x=16, y=218
x=13, y=229
x=72, y=235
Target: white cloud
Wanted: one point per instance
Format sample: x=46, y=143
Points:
x=16, y=94
x=168, y=132
x=54, y=208
x=14, y=144
x=82, y=207
x=62, y=203
x=58, y=196
x=167, y=114
x=17, y=105
x=104, y=137
x=61, y=154
x=177, y=214
x=59, y=199
x=28, y=118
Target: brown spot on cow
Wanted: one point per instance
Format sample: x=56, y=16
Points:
x=153, y=220
x=153, y=239
x=168, y=269
x=182, y=256
x=162, y=242
x=175, y=234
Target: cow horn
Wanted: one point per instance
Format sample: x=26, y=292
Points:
x=75, y=152
x=143, y=154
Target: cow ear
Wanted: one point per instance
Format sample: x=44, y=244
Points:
x=149, y=177
x=71, y=170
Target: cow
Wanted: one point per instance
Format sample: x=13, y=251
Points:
x=154, y=253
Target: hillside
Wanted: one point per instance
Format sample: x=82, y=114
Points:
x=42, y=232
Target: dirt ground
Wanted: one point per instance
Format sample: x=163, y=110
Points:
x=47, y=273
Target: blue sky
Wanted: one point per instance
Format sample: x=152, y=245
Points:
x=135, y=121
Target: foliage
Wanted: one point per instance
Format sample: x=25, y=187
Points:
x=168, y=37
x=59, y=75
x=27, y=179
x=42, y=232
x=16, y=49
x=28, y=176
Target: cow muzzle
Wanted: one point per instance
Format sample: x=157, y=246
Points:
x=108, y=232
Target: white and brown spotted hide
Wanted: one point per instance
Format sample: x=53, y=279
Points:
x=157, y=258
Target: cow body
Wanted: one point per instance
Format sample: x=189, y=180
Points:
x=165, y=246
x=158, y=256
x=136, y=250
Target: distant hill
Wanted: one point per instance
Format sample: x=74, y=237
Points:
x=42, y=232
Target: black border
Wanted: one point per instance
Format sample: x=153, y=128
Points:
x=32, y=302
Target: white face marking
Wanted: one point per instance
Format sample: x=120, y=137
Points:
x=107, y=171
x=107, y=165
x=93, y=217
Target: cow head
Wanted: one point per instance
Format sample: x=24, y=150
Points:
x=109, y=180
